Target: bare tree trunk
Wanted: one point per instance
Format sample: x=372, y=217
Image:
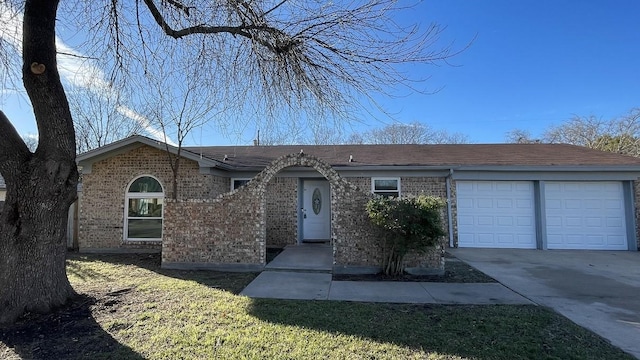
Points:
x=40, y=186
x=33, y=249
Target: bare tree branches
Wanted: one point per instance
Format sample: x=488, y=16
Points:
x=413, y=133
x=276, y=63
x=620, y=135
x=97, y=121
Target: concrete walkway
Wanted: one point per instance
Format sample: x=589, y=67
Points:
x=319, y=286
x=303, y=272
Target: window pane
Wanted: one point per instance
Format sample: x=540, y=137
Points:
x=239, y=183
x=145, y=184
x=386, y=184
x=145, y=229
x=151, y=207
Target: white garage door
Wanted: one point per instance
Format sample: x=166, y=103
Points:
x=496, y=214
x=585, y=215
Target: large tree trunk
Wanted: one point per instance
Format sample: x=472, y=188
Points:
x=40, y=186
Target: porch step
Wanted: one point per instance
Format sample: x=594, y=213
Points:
x=303, y=258
x=305, y=270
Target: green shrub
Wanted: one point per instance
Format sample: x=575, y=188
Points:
x=409, y=224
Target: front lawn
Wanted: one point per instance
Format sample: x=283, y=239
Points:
x=131, y=309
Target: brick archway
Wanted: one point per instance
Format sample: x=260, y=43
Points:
x=301, y=159
x=280, y=215
x=229, y=232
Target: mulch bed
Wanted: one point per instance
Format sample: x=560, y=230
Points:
x=456, y=271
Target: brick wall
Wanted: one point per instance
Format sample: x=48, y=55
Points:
x=228, y=230
x=101, y=215
x=232, y=229
x=282, y=212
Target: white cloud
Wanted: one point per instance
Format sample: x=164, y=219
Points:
x=74, y=68
x=144, y=122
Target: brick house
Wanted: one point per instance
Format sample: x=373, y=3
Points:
x=235, y=201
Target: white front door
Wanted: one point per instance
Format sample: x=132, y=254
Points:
x=316, y=210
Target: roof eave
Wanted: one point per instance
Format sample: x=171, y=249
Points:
x=86, y=160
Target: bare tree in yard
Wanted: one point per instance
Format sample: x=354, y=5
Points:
x=413, y=133
x=97, y=121
x=267, y=55
x=620, y=135
x=519, y=136
x=179, y=107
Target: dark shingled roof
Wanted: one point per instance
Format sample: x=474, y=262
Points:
x=422, y=155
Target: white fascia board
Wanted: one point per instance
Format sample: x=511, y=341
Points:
x=550, y=168
x=547, y=175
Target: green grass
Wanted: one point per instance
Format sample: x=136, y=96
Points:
x=135, y=310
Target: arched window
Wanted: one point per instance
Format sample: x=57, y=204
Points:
x=143, y=210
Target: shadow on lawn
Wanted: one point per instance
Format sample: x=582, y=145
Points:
x=231, y=282
x=470, y=331
x=69, y=332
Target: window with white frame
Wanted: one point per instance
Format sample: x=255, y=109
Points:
x=237, y=183
x=387, y=187
x=143, y=210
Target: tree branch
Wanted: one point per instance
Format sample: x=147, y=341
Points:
x=12, y=147
x=197, y=29
x=278, y=46
x=180, y=6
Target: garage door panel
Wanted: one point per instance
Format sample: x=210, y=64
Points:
x=553, y=221
x=502, y=212
x=553, y=203
x=613, y=204
x=524, y=203
x=617, y=240
x=596, y=240
x=595, y=222
x=506, y=239
x=615, y=222
x=503, y=186
x=585, y=215
x=486, y=239
x=525, y=240
x=572, y=204
x=465, y=203
x=571, y=221
x=589, y=204
x=524, y=221
x=465, y=220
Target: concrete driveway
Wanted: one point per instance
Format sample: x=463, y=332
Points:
x=599, y=290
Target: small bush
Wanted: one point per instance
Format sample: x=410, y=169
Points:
x=409, y=224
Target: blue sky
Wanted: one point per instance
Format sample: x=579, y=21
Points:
x=533, y=63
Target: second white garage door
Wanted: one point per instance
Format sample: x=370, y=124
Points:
x=585, y=215
x=496, y=214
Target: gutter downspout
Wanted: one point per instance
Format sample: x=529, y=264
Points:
x=449, y=211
